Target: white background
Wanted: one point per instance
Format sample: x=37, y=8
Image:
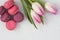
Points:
x=26, y=31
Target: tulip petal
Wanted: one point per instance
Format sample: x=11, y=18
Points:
x=38, y=8
x=35, y=16
x=51, y=8
x=54, y=9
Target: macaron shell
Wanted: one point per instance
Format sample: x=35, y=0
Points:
x=11, y=25
x=5, y=17
x=13, y=10
x=11, y=0
x=8, y=4
x=18, y=17
x=2, y=10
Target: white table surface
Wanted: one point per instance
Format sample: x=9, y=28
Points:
x=26, y=31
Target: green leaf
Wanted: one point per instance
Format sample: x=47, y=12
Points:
x=27, y=10
x=42, y=19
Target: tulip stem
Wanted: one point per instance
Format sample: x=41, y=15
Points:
x=30, y=1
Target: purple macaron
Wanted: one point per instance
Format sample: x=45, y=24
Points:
x=18, y=17
x=2, y=10
x=5, y=17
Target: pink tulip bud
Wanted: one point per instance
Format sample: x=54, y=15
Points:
x=38, y=8
x=35, y=16
x=51, y=8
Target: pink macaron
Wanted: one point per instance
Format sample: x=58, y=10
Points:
x=8, y=4
x=11, y=25
x=13, y=10
x=11, y=0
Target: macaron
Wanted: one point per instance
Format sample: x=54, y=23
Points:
x=5, y=17
x=18, y=17
x=8, y=4
x=11, y=25
x=11, y=0
x=2, y=10
x=13, y=10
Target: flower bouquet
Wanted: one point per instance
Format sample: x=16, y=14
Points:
x=35, y=9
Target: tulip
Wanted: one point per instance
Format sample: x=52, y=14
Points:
x=35, y=16
x=38, y=8
x=50, y=7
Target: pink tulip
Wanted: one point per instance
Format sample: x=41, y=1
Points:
x=38, y=8
x=35, y=16
x=51, y=8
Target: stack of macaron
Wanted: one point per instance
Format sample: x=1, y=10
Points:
x=10, y=14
